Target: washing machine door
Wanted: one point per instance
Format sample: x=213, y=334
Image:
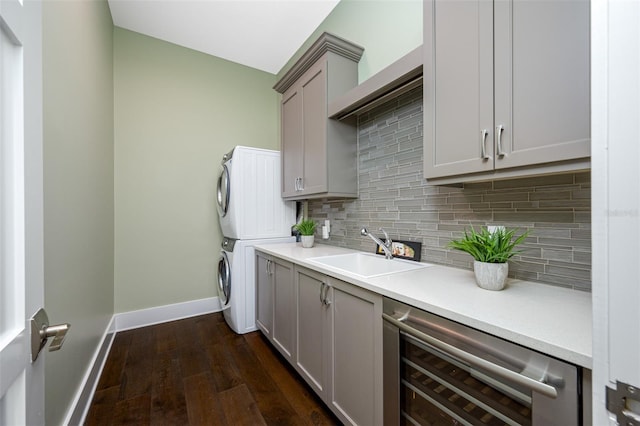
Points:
x=224, y=191
x=224, y=280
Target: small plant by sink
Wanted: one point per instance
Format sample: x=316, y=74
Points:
x=491, y=251
x=489, y=247
x=307, y=229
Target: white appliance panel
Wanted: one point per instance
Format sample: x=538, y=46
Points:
x=240, y=312
x=250, y=191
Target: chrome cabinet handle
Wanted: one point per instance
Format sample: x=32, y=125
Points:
x=296, y=186
x=483, y=144
x=474, y=360
x=325, y=299
x=324, y=290
x=301, y=184
x=499, y=130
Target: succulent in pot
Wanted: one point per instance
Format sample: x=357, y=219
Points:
x=491, y=250
x=307, y=229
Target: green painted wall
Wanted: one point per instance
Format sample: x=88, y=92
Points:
x=387, y=29
x=134, y=129
x=78, y=188
x=177, y=112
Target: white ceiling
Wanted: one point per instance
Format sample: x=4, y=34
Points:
x=261, y=34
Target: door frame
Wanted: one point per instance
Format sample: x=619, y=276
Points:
x=615, y=89
x=29, y=16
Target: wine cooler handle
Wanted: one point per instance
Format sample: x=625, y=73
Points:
x=473, y=360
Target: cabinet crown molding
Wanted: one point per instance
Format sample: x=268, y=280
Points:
x=327, y=42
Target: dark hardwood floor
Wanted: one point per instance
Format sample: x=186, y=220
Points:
x=197, y=371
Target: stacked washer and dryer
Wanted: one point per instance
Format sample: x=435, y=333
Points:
x=251, y=211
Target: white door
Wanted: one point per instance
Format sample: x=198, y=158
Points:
x=615, y=35
x=21, y=241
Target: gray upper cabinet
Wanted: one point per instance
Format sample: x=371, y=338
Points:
x=506, y=88
x=319, y=154
x=292, y=148
x=458, y=86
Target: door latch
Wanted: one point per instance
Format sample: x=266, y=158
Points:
x=41, y=331
x=624, y=402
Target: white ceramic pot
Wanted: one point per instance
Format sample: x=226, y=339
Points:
x=307, y=241
x=491, y=276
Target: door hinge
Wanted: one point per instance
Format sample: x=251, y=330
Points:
x=624, y=402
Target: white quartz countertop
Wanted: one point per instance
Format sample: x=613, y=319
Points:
x=549, y=319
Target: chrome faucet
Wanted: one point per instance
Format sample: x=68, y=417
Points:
x=386, y=245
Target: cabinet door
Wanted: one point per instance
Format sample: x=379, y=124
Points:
x=458, y=87
x=283, y=307
x=542, y=92
x=356, y=332
x=264, y=294
x=311, y=332
x=314, y=107
x=292, y=141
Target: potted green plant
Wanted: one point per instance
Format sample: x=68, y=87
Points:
x=307, y=229
x=491, y=251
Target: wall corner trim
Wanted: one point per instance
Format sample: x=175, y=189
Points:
x=125, y=321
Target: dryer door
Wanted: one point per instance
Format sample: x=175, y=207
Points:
x=224, y=280
x=224, y=191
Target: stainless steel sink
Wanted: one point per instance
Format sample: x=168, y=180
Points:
x=367, y=265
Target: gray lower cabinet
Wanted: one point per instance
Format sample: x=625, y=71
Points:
x=339, y=345
x=312, y=330
x=275, y=302
x=356, y=354
x=506, y=87
x=264, y=294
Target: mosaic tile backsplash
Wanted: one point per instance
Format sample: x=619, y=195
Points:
x=393, y=195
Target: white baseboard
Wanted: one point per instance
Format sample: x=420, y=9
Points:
x=87, y=388
x=160, y=314
x=126, y=321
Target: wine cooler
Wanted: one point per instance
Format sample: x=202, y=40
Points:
x=438, y=372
